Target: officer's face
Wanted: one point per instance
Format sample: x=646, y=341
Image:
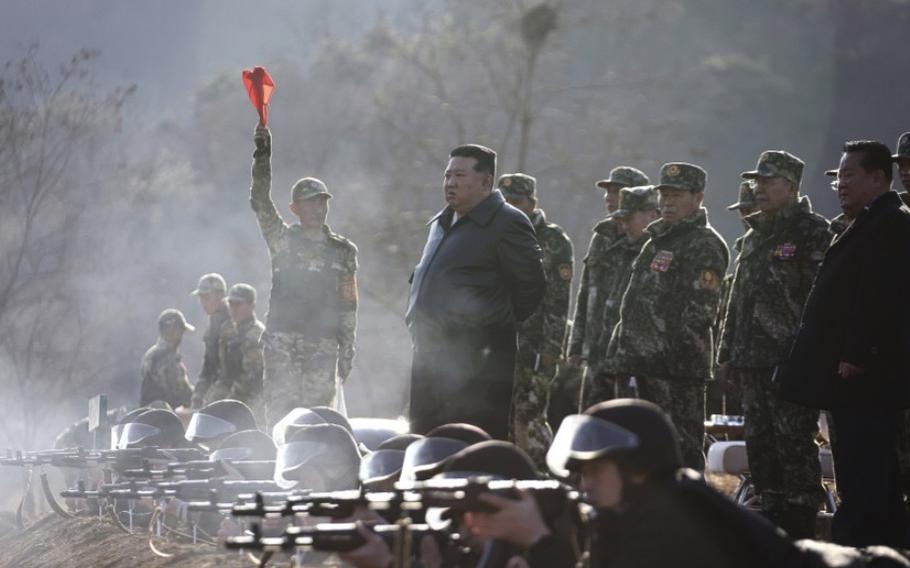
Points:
x=211, y=302
x=464, y=187
x=855, y=186
x=903, y=170
x=611, y=197
x=311, y=212
x=676, y=204
x=240, y=310
x=774, y=193
x=172, y=334
x=601, y=483
x=634, y=224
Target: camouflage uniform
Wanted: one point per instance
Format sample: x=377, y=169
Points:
x=312, y=314
x=586, y=340
x=212, y=385
x=663, y=338
x=619, y=256
x=541, y=334
x=242, y=354
x=164, y=375
x=774, y=272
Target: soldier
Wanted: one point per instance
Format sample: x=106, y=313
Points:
x=164, y=375
x=776, y=266
x=211, y=290
x=722, y=395
x=541, y=336
x=637, y=209
x=902, y=159
x=663, y=338
x=312, y=314
x=241, y=351
x=586, y=346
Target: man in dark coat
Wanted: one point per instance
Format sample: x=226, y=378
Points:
x=852, y=353
x=479, y=276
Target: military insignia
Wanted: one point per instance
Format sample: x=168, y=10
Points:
x=507, y=182
x=661, y=261
x=708, y=280
x=565, y=272
x=348, y=291
x=673, y=171
x=786, y=250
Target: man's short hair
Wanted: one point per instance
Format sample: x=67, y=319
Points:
x=486, y=157
x=876, y=156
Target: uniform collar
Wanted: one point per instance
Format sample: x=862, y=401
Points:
x=538, y=218
x=661, y=228
x=761, y=221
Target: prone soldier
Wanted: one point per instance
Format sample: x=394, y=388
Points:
x=211, y=386
x=664, y=338
x=776, y=266
x=312, y=318
x=164, y=375
x=541, y=336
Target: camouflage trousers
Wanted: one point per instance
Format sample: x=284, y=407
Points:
x=684, y=401
x=298, y=372
x=529, y=429
x=780, y=443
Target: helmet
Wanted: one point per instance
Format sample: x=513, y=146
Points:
x=151, y=428
x=297, y=417
x=319, y=457
x=212, y=423
x=370, y=432
x=245, y=445
x=467, y=433
x=425, y=458
x=332, y=416
x=636, y=431
x=493, y=458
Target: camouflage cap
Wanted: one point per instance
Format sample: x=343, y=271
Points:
x=624, y=176
x=517, y=185
x=746, y=196
x=680, y=175
x=635, y=199
x=171, y=318
x=903, y=146
x=242, y=293
x=211, y=282
x=777, y=163
x=308, y=188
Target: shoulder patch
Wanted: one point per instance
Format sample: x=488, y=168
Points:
x=661, y=261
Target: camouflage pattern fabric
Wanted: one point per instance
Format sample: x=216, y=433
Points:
x=780, y=443
x=542, y=334
x=164, y=377
x=722, y=395
x=298, y=372
x=313, y=304
x=777, y=163
x=618, y=257
x=684, y=401
x=670, y=304
x=242, y=356
x=774, y=272
x=211, y=386
x=586, y=339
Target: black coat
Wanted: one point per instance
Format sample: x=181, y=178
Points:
x=476, y=280
x=857, y=312
x=484, y=272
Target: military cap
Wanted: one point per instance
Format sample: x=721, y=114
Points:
x=171, y=317
x=746, y=196
x=634, y=199
x=211, y=282
x=308, y=188
x=777, y=163
x=624, y=176
x=903, y=146
x=517, y=185
x=680, y=175
x=831, y=173
x=242, y=293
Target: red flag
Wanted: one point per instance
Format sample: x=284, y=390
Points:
x=259, y=87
